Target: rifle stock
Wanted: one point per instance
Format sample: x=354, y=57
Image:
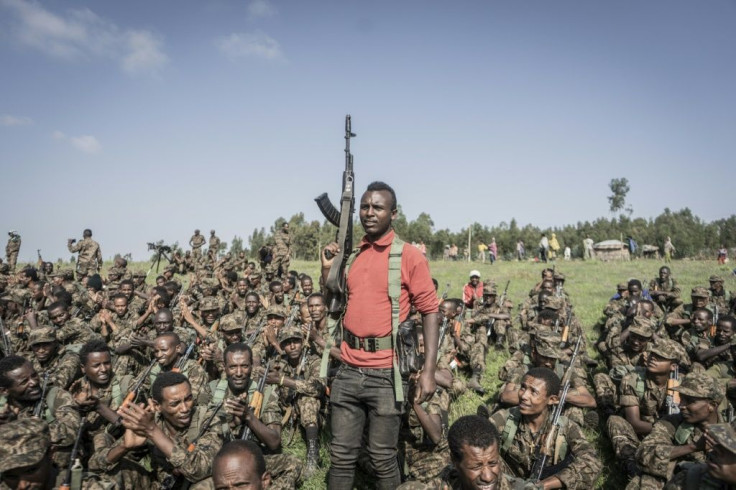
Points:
x=256, y=401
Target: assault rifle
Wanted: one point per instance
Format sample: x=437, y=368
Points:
x=343, y=220
x=673, y=397
x=443, y=331
x=566, y=329
x=44, y=388
x=205, y=426
x=182, y=362
x=543, y=449
x=73, y=478
x=7, y=344
x=256, y=402
x=250, y=339
x=715, y=321
x=130, y=398
x=444, y=293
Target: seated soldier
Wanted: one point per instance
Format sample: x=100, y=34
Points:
x=301, y=389
x=697, y=337
x=422, y=437
x=49, y=356
x=664, y=290
x=476, y=462
x=238, y=419
x=679, y=319
x=719, y=472
x=490, y=319
x=643, y=396
x=24, y=397
x=679, y=437
x=572, y=461
x=721, y=350
x=69, y=331
x=179, y=437
x=240, y=464
x=25, y=460
x=546, y=353
x=230, y=332
x=173, y=355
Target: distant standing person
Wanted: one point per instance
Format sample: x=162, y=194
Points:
x=453, y=252
x=12, y=249
x=543, y=248
x=482, y=247
x=520, y=251
x=568, y=252
x=669, y=250
x=214, y=242
x=493, y=250
x=588, y=248
x=197, y=242
x=554, y=247
x=89, y=260
x=722, y=254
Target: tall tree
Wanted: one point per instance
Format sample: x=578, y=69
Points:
x=617, y=201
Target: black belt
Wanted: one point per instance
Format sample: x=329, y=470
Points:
x=368, y=344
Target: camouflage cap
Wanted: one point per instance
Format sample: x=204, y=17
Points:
x=553, y=303
x=559, y=276
x=724, y=435
x=715, y=278
x=622, y=286
x=700, y=385
x=255, y=275
x=23, y=442
x=139, y=274
x=41, y=335
x=290, y=332
x=489, y=290
x=547, y=344
x=116, y=271
x=700, y=292
x=209, y=303
x=668, y=349
x=230, y=323
x=643, y=326
x=275, y=310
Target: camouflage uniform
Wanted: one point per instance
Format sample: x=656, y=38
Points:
x=214, y=242
x=423, y=458
x=197, y=242
x=281, y=251
x=285, y=469
x=667, y=286
x=653, y=455
x=696, y=476
x=24, y=443
x=12, y=249
x=577, y=469
x=724, y=372
x=183, y=465
x=637, y=390
x=89, y=260
x=682, y=312
x=483, y=321
x=721, y=299
x=310, y=388
x=75, y=332
x=63, y=367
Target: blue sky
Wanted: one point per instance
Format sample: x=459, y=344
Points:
x=145, y=120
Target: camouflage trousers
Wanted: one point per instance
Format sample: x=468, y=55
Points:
x=12, y=260
x=285, y=470
x=308, y=410
x=86, y=268
x=499, y=328
x=645, y=482
x=424, y=462
x=281, y=259
x=623, y=438
x=605, y=390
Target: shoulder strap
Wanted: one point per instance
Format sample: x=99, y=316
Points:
x=394, y=293
x=683, y=433
x=48, y=413
x=333, y=324
x=117, y=393
x=561, y=441
x=640, y=386
x=509, y=429
x=218, y=391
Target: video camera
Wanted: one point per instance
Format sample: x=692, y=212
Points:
x=159, y=247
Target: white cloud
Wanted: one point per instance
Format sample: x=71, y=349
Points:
x=145, y=54
x=83, y=35
x=9, y=120
x=261, y=8
x=85, y=143
x=250, y=44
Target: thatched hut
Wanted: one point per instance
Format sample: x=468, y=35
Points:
x=650, y=252
x=611, y=250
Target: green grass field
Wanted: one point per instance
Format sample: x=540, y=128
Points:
x=589, y=284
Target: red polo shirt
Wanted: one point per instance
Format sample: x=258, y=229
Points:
x=368, y=313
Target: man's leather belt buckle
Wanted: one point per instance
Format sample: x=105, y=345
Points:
x=368, y=344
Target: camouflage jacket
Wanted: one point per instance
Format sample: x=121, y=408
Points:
x=638, y=391
x=449, y=478
x=63, y=369
x=583, y=467
x=89, y=251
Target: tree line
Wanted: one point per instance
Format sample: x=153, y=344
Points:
x=692, y=236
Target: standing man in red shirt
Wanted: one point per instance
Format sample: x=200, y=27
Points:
x=364, y=390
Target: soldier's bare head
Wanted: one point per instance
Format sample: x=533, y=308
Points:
x=473, y=443
x=240, y=464
x=87, y=233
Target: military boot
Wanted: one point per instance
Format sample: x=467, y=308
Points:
x=474, y=382
x=312, y=452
